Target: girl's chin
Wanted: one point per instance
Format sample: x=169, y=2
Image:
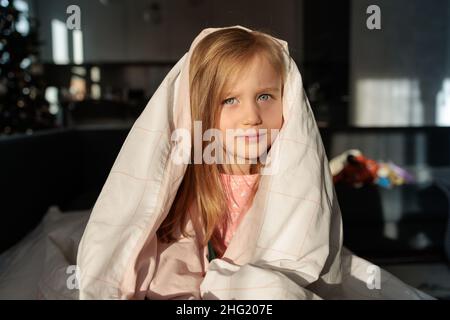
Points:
x=252, y=153
x=248, y=156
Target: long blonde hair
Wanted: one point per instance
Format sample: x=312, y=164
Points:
x=217, y=59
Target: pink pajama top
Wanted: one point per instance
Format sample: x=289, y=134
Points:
x=238, y=202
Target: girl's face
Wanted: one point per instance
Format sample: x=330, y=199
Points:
x=252, y=103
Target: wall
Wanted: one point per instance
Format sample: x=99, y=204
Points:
x=117, y=31
x=398, y=71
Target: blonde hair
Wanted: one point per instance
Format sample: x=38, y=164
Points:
x=216, y=60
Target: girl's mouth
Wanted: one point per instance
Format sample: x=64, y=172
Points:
x=253, y=138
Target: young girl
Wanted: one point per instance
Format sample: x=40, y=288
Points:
x=263, y=224
x=242, y=75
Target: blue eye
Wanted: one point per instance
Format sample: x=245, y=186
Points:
x=229, y=101
x=267, y=96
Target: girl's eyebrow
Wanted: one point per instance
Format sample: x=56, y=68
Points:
x=274, y=89
x=270, y=89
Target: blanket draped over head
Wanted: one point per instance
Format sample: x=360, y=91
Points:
x=288, y=246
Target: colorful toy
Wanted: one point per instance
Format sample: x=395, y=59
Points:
x=353, y=168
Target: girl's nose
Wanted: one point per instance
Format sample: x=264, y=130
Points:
x=251, y=114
